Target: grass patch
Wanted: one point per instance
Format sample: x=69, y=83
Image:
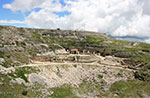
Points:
x=64, y=91
x=20, y=72
x=89, y=87
x=7, y=63
x=100, y=76
x=1, y=27
x=75, y=65
x=9, y=90
x=2, y=53
x=143, y=45
x=20, y=56
x=93, y=39
x=142, y=58
x=143, y=73
x=1, y=46
x=36, y=35
x=131, y=88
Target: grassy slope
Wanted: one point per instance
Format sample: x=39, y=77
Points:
x=131, y=88
x=123, y=89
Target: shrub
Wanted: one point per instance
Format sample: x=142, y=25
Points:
x=75, y=65
x=24, y=93
x=100, y=76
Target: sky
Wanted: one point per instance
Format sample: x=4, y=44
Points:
x=121, y=19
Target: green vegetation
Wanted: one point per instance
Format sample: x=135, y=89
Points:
x=7, y=63
x=120, y=73
x=100, y=76
x=64, y=91
x=89, y=87
x=143, y=73
x=140, y=52
x=69, y=42
x=36, y=38
x=75, y=65
x=13, y=90
x=142, y=58
x=1, y=27
x=20, y=57
x=36, y=35
x=1, y=46
x=131, y=88
x=2, y=53
x=21, y=71
x=32, y=51
x=94, y=40
x=15, y=56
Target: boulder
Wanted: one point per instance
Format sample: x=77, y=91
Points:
x=2, y=61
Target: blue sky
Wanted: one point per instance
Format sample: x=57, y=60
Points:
x=7, y=14
x=124, y=19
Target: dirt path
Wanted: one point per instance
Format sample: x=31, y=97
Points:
x=40, y=64
x=35, y=64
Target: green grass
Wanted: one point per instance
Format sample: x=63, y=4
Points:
x=67, y=91
x=20, y=56
x=64, y=91
x=7, y=63
x=36, y=35
x=2, y=53
x=93, y=39
x=10, y=57
x=1, y=27
x=20, y=72
x=143, y=73
x=1, y=46
x=100, y=76
x=143, y=45
x=131, y=88
x=142, y=58
x=75, y=65
x=13, y=90
x=89, y=87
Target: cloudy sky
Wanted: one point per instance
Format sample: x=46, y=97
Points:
x=123, y=19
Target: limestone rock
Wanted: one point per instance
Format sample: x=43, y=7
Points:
x=2, y=61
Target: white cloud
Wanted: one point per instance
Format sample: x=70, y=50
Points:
x=28, y=5
x=147, y=40
x=115, y=17
x=12, y=22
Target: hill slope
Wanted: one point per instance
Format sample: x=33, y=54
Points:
x=38, y=59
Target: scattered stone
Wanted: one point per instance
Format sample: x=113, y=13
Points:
x=18, y=81
x=35, y=78
x=145, y=96
x=108, y=42
x=1, y=83
x=2, y=61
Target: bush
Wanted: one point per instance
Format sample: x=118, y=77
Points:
x=143, y=74
x=100, y=76
x=75, y=65
x=24, y=93
x=1, y=53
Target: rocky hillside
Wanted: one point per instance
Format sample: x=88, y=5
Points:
x=36, y=63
